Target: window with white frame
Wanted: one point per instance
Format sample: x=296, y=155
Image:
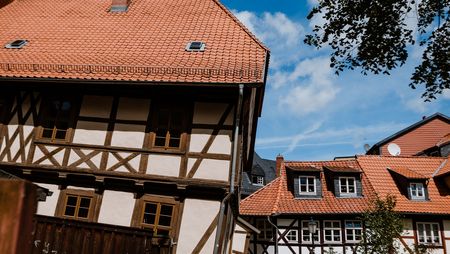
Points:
x=307, y=185
x=306, y=235
x=292, y=236
x=258, y=180
x=417, y=191
x=332, y=231
x=347, y=186
x=428, y=233
x=266, y=230
x=353, y=231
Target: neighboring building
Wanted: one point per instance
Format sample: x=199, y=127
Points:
x=430, y=136
x=136, y=114
x=261, y=173
x=335, y=193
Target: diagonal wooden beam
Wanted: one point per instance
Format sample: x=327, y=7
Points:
x=123, y=161
x=211, y=139
x=85, y=158
x=49, y=155
x=206, y=236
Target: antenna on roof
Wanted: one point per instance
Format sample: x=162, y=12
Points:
x=366, y=147
x=394, y=149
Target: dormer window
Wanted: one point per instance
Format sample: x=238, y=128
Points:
x=307, y=185
x=417, y=191
x=347, y=186
x=258, y=180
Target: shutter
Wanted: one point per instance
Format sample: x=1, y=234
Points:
x=337, y=192
x=318, y=187
x=296, y=187
x=358, y=186
x=408, y=188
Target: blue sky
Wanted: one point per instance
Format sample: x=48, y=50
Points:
x=311, y=114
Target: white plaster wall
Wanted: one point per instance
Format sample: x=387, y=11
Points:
x=167, y=165
x=117, y=208
x=239, y=239
x=90, y=133
x=286, y=222
x=407, y=227
x=210, y=113
x=133, y=109
x=48, y=206
x=133, y=138
x=220, y=145
x=286, y=250
x=58, y=156
x=211, y=169
x=15, y=146
x=96, y=106
x=197, y=216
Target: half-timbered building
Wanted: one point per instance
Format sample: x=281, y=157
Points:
x=138, y=114
x=333, y=194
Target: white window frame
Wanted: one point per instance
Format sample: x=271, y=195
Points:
x=419, y=188
x=353, y=229
x=305, y=232
x=307, y=192
x=347, y=185
x=259, y=180
x=425, y=235
x=292, y=233
x=332, y=229
x=263, y=236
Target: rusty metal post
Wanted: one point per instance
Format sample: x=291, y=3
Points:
x=18, y=205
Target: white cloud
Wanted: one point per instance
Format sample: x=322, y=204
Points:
x=311, y=87
x=282, y=35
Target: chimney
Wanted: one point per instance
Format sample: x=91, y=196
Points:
x=278, y=164
x=119, y=5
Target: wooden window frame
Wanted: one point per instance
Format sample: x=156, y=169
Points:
x=138, y=213
x=305, y=232
x=259, y=180
x=71, y=123
x=433, y=243
x=156, y=107
x=332, y=229
x=307, y=192
x=347, y=185
x=292, y=236
x=94, y=207
x=353, y=231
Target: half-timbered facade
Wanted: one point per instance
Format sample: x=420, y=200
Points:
x=333, y=194
x=132, y=113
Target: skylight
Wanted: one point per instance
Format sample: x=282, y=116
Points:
x=195, y=46
x=17, y=44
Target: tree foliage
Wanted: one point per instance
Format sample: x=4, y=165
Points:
x=383, y=225
x=374, y=35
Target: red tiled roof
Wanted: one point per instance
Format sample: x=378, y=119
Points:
x=444, y=140
x=82, y=40
x=277, y=198
x=343, y=169
x=304, y=168
x=445, y=169
x=375, y=167
x=407, y=173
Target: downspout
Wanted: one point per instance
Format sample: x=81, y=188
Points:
x=233, y=169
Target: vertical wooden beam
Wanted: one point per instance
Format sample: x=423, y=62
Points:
x=18, y=205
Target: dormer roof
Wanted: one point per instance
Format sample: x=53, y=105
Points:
x=407, y=173
x=84, y=40
x=336, y=169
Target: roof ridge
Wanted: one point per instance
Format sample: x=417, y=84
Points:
x=401, y=156
x=262, y=188
x=443, y=164
x=241, y=25
x=280, y=184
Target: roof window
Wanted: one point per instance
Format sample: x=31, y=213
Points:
x=195, y=46
x=17, y=44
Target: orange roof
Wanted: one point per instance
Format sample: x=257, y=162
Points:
x=407, y=173
x=81, y=39
x=277, y=198
x=444, y=140
x=445, y=169
x=375, y=167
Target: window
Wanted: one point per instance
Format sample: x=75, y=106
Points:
x=266, y=230
x=307, y=185
x=17, y=44
x=258, y=180
x=428, y=233
x=306, y=235
x=353, y=231
x=292, y=236
x=195, y=46
x=417, y=191
x=169, y=127
x=158, y=214
x=57, y=118
x=78, y=204
x=347, y=186
x=332, y=231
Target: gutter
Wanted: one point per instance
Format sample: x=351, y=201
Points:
x=232, y=177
